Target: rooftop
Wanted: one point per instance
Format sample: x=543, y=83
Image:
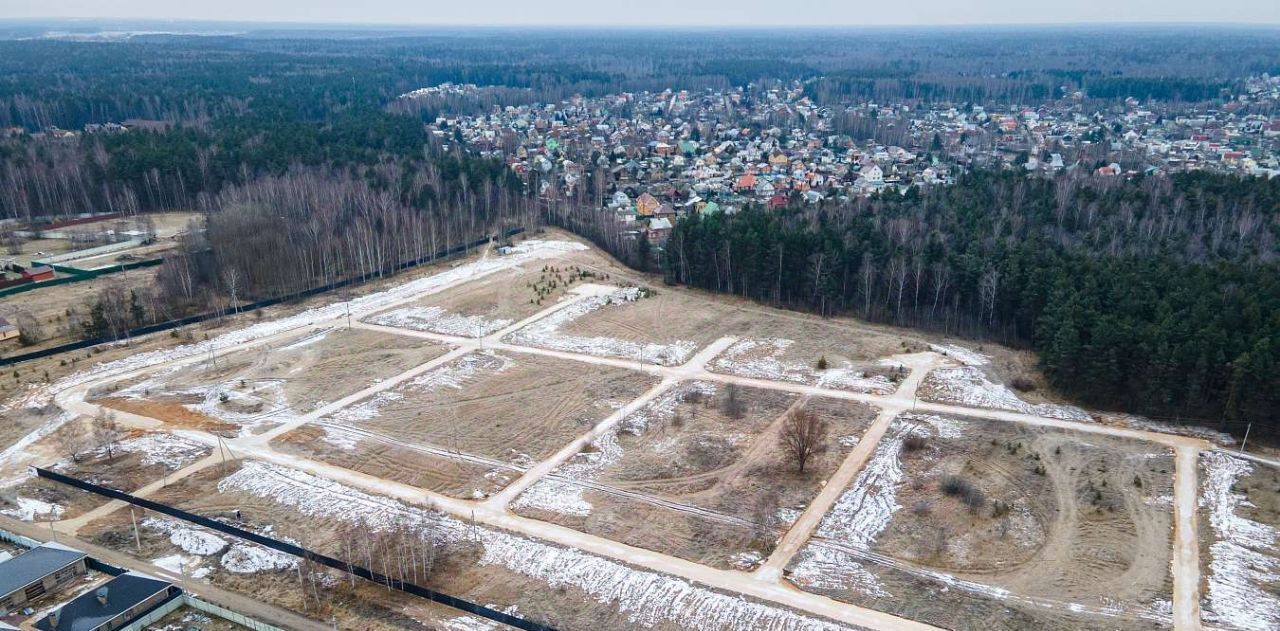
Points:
x=87, y=612
x=31, y=566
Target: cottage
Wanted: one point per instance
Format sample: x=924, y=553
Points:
x=8, y=330
x=41, y=570
x=122, y=600
x=38, y=273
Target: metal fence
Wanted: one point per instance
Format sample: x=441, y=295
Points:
x=298, y=551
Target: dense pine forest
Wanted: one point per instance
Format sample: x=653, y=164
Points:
x=1156, y=295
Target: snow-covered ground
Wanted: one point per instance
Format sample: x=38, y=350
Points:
x=646, y=598
x=966, y=356
x=170, y=450
x=864, y=510
x=762, y=359
x=562, y=491
x=437, y=320
x=1244, y=558
x=192, y=540
x=241, y=557
x=970, y=387
x=28, y=509
x=546, y=333
x=249, y=558
x=182, y=565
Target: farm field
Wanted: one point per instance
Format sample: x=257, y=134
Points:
x=951, y=512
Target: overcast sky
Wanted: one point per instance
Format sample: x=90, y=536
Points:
x=760, y=13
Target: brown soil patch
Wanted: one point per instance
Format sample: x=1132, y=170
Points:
x=385, y=459
x=511, y=407
x=172, y=413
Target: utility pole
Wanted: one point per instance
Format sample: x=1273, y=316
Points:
x=1246, y=436
x=137, y=540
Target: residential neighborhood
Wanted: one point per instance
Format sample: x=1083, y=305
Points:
x=653, y=157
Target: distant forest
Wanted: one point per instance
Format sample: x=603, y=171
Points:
x=1157, y=295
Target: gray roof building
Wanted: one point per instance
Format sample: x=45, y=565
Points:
x=115, y=604
x=32, y=568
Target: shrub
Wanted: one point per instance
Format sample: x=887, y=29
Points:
x=999, y=509
x=971, y=495
x=1022, y=384
x=914, y=442
x=822, y=363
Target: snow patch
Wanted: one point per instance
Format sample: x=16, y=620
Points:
x=183, y=565
x=437, y=320
x=1244, y=559
x=966, y=356
x=546, y=333
x=247, y=558
x=968, y=386
x=195, y=541
x=762, y=359
x=28, y=509
x=160, y=448
x=646, y=598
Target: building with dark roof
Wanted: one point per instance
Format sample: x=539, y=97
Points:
x=117, y=603
x=38, y=571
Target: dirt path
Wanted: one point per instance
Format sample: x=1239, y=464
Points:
x=1186, y=547
x=248, y=606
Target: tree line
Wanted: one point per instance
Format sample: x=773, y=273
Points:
x=1158, y=296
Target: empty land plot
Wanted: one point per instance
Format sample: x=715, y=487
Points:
x=972, y=523
x=257, y=388
x=976, y=384
x=509, y=407
x=814, y=356
x=135, y=460
x=1240, y=547
x=489, y=304
x=669, y=325
x=697, y=473
x=438, y=470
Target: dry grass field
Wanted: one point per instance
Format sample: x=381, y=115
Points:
x=697, y=473
x=1026, y=516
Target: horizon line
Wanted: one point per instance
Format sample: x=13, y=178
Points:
x=326, y=24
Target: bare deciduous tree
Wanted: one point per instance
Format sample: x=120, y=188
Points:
x=732, y=404
x=106, y=433
x=803, y=436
